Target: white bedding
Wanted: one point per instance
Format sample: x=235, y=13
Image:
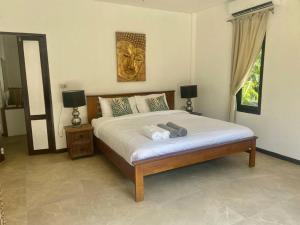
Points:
x=124, y=134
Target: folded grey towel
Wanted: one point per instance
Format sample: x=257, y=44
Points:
x=181, y=131
x=173, y=132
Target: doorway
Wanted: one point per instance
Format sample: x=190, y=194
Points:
x=32, y=95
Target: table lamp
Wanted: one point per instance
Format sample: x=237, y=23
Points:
x=188, y=92
x=74, y=99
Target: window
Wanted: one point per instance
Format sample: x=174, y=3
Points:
x=249, y=97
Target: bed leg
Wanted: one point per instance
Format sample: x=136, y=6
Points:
x=252, y=154
x=139, y=184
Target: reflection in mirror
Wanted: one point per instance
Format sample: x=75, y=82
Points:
x=12, y=117
x=10, y=76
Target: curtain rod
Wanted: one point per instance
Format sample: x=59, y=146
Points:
x=271, y=8
x=253, y=9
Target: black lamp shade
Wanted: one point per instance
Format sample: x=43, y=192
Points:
x=73, y=99
x=189, y=91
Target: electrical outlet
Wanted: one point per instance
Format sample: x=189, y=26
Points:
x=63, y=86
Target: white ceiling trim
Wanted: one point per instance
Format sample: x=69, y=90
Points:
x=186, y=6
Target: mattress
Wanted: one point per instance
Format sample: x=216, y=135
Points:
x=124, y=134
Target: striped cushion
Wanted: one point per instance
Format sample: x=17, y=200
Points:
x=157, y=104
x=120, y=107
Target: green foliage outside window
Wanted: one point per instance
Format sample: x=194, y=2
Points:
x=250, y=91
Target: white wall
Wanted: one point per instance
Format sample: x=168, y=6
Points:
x=213, y=57
x=81, y=45
x=278, y=126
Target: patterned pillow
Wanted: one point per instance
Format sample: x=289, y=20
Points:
x=157, y=104
x=120, y=107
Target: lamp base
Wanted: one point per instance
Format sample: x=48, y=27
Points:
x=76, y=120
x=189, y=106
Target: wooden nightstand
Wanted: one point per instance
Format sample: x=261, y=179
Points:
x=2, y=156
x=196, y=113
x=80, y=140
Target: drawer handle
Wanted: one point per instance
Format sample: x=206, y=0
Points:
x=80, y=136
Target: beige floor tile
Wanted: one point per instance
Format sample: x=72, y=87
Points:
x=52, y=189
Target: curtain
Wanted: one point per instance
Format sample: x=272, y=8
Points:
x=1, y=94
x=248, y=35
x=1, y=85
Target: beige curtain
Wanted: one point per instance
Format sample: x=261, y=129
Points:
x=248, y=35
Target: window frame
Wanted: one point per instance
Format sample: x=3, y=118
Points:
x=253, y=109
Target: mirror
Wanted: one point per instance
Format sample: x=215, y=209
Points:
x=10, y=76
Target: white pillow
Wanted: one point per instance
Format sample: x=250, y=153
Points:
x=141, y=102
x=106, y=110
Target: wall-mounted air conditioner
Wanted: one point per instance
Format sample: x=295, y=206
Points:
x=240, y=5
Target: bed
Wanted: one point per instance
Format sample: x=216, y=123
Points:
x=121, y=141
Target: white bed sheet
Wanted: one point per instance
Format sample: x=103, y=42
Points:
x=124, y=134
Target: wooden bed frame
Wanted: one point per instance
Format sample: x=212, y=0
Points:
x=154, y=165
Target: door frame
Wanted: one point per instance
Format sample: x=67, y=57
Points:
x=47, y=91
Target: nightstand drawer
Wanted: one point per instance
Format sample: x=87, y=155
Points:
x=81, y=136
x=78, y=150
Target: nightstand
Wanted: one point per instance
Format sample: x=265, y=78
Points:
x=196, y=113
x=80, y=140
x=2, y=156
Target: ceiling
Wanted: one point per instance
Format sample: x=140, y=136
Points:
x=187, y=6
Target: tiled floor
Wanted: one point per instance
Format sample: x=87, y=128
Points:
x=52, y=189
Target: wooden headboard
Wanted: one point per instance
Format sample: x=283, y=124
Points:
x=93, y=109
